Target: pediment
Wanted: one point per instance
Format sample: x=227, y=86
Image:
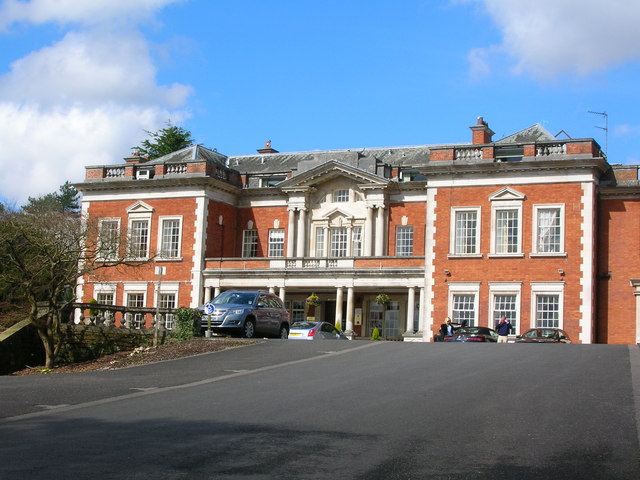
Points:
x=329, y=171
x=507, y=193
x=337, y=213
x=139, y=207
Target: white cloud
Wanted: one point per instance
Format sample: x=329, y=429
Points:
x=83, y=100
x=552, y=37
x=88, y=12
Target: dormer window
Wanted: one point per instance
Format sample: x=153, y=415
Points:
x=341, y=196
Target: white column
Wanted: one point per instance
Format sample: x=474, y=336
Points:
x=216, y=292
x=421, y=312
x=411, y=309
x=282, y=294
x=291, y=230
x=302, y=230
x=350, y=312
x=368, y=232
x=339, y=295
x=327, y=243
x=380, y=232
x=272, y=289
x=207, y=294
x=349, y=241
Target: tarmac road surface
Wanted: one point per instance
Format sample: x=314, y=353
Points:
x=329, y=410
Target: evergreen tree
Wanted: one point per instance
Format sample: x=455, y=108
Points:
x=63, y=201
x=165, y=141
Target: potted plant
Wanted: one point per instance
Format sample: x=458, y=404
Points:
x=207, y=332
x=313, y=300
x=382, y=299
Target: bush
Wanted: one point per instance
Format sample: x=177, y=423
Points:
x=376, y=334
x=186, y=320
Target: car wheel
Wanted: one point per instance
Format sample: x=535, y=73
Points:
x=284, y=332
x=249, y=329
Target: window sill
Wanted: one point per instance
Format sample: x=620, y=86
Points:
x=168, y=259
x=471, y=255
x=554, y=255
x=506, y=255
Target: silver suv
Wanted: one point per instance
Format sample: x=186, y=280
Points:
x=247, y=313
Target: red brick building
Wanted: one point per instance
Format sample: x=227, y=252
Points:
x=540, y=229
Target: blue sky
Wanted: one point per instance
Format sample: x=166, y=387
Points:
x=80, y=81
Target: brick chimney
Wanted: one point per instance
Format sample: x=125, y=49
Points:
x=267, y=148
x=481, y=133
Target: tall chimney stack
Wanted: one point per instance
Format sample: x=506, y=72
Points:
x=481, y=132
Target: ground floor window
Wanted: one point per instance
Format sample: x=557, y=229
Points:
x=168, y=300
x=505, y=304
x=135, y=320
x=296, y=310
x=548, y=311
x=464, y=311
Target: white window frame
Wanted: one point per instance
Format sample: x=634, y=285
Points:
x=535, y=251
x=161, y=252
x=342, y=195
x=505, y=288
x=276, y=242
x=320, y=241
x=102, y=249
x=547, y=288
x=356, y=240
x=404, y=240
x=453, y=232
x=167, y=288
x=507, y=205
x=134, y=253
x=136, y=320
x=253, y=244
x=338, y=236
x=465, y=288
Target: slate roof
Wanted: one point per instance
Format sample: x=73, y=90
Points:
x=363, y=158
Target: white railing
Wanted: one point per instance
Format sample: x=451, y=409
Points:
x=551, y=149
x=468, y=154
x=177, y=168
x=114, y=172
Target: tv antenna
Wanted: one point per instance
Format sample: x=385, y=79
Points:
x=605, y=128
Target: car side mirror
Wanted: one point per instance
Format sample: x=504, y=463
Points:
x=261, y=305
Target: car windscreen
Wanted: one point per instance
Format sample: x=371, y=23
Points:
x=236, y=298
x=303, y=325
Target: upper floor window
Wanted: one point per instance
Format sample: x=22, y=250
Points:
x=548, y=228
x=250, y=243
x=140, y=215
x=170, y=229
x=465, y=235
x=356, y=239
x=507, y=231
x=109, y=238
x=139, y=238
x=340, y=196
x=339, y=242
x=276, y=242
x=404, y=241
x=506, y=222
x=320, y=242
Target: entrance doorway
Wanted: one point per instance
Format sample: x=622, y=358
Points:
x=329, y=313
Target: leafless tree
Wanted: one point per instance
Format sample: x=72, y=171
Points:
x=44, y=254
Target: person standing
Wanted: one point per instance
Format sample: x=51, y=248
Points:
x=446, y=328
x=503, y=327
